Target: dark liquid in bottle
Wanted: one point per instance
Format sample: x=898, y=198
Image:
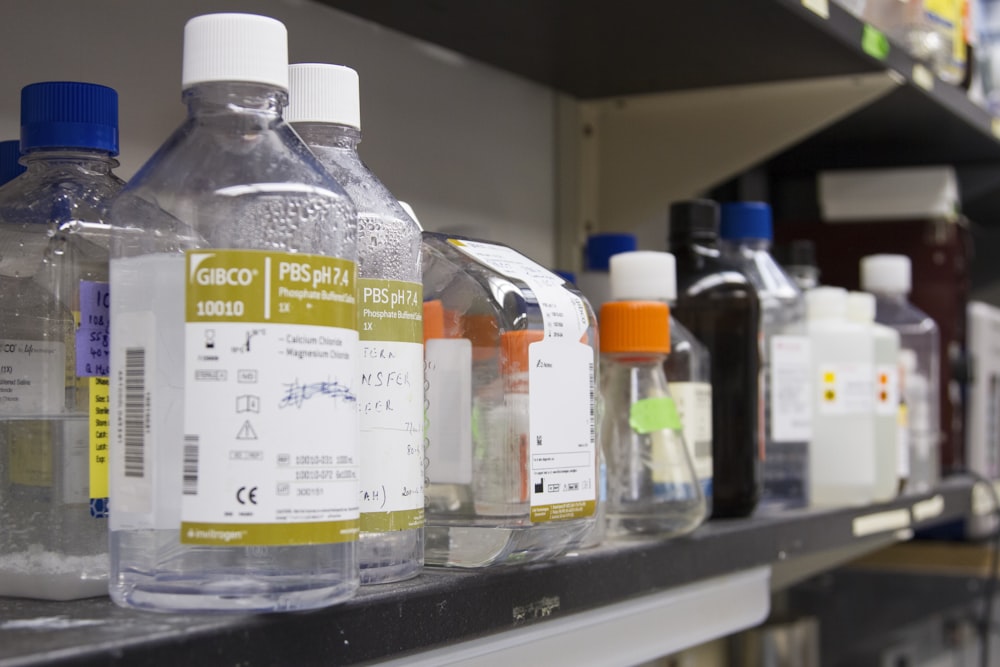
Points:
x=718, y=304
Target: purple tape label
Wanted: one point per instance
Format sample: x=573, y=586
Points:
x=92, y=352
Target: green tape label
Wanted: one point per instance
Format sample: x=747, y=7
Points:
x=654, y=414
x=874, y=42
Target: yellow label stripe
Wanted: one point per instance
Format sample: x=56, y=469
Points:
x=268, y=534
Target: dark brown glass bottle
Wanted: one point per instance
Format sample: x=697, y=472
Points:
x=717, y=303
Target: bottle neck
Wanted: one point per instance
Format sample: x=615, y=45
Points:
x=638, y=360
x=257, y=102
x=329, y=135
x=95, y=161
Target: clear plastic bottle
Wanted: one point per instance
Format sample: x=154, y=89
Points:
x=54, y=237
x=595, y=280
x=798, y=259
x=652, y=487
x=842, y=464
x=746, y=233
x=10, y=161
x=861, y=310
x=516, y=481
x=889, y=278
x=646, y=275
x=325, y=109
x=234, y=350
x=719, y=305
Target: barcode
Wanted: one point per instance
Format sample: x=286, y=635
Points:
x=190, y=465
x=135, y=412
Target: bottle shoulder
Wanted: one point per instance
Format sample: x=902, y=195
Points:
x=58, y=195
x=223, y=185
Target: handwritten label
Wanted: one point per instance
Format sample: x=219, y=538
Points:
x=92, y=335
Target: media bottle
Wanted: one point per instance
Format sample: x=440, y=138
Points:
x=652, y=487
x=54, y=240
x=234, y=350
x=512, y=408
x=717, y=302
x=649, y=275
x=325, y=109
x=746, y=233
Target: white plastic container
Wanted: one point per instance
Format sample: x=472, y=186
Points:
x=842, y=462
x=861, y=309
x=862, y=195
x=649, y=275
x=595, y=278
x=888, y=277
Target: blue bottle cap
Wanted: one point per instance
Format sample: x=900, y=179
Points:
x=745, y=220
x=568, y=276
x=10, y=153
x=69, y=114
x=600, y=248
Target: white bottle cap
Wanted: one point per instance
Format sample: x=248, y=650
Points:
x=409, y=211
x=826, y=303
x=861, y=307
x=235, y=47
x=319, y=93
x=643, y=275
x=886, y=273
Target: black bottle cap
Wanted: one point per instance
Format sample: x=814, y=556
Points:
x=694, y=219
x=801, y=252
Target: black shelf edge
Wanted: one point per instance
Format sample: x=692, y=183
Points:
x=592, y=49
x=444, y=606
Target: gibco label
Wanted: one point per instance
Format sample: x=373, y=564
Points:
x=271, y=399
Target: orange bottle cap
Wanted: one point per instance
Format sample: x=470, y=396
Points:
x=433, y=319
x=635, y=326
x=514, y=349
x=483, y=332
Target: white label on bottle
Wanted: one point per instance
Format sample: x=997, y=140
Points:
x=791, y=408
x=694, y=407
x=903, y=443
x=270, y=450
x=846, y=389
x=563, y=312
x=133, y=442
x=32, y=377
x=448, y=373
x=390, y=402
x=887, y=390
x=561, y=436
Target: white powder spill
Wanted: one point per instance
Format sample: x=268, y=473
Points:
x=49, y=575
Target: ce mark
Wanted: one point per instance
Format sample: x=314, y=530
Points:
x=245, y=495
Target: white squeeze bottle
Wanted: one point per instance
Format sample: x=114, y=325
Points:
x=234, y=461
x=649, y=275
x=861, y=309
x=889, y=278
x=842, y=450
x=324, y=108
